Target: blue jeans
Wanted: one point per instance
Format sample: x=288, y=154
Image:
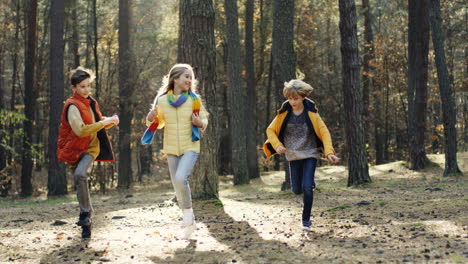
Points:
x=302, y=173
x=180, y=168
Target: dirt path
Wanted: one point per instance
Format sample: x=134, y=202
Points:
x=407, y=217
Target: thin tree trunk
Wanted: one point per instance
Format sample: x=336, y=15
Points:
x=358, y=167
x=29, y=99
x=57, y=179
x=236, y=98
x=251, y=109
x=196, y=46
x=97, y=81
x=2, y=108
x=284, y=57
x=75, y=43
x=125, y=96
x=418, y=48
x=446, y=92
x=12, y=127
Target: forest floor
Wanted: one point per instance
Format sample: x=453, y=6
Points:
x=406, y=217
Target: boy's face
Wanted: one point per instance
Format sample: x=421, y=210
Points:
x=83, y=88
x=295, y=101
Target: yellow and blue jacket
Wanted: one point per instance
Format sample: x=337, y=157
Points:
x=275, y=131
x=177, y=124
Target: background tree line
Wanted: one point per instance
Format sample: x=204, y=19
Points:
x=387, y=84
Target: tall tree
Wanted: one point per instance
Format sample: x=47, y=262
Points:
x=369, y=84
x=29, y=99
x=353, y=105
x=196, y=46
x=446, y=91
x=57, y=179
x=125, y=95
x=283, y=55
x=418, y=49
x=97, y=83
x=251, y=109
x=3, y=160
x=236, y=96
x=75, y=39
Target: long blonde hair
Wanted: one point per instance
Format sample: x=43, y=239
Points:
x=168, y=80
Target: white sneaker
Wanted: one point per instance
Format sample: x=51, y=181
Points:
x=188, y=230
x=306, y=228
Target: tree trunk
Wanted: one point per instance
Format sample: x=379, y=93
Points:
x=358, y=167
x=369, y=83
x=57, y=179
x=236, y=98
x=251, y=109
x=29, y=99
x=2, y=108
x=418, y=48
x=125, y=96
x=97, y=81
x=446, y=92
x=75, y=42
x=12, y=127
x=196, y=46
x=283, y=55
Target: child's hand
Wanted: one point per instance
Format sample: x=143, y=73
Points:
x=152, y=115
x=333, y=158
x=115, y=119
x=281, y=150
x=196, y=120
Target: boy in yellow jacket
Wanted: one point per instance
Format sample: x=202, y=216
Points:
x=298, y=132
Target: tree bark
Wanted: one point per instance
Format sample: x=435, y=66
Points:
x=357, y=163
x=370, y=84
x=418, y=48
x=29, y=99
x=236, y=98
x=97, y=81
x=446, y=92
x=196, y=46
x=2, y=108
x=57, y=179
x=125, y=96
x=283, y=55
x=251, y=109
x=75, y=42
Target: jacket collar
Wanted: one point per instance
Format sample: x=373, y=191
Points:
x=86, y=101
x=309, y=105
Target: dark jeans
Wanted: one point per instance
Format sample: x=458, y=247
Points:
x=302, y=173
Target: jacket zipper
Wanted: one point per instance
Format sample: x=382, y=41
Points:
x=177, y=121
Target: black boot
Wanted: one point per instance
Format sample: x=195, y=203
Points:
x=84, y=220
x=86, y=231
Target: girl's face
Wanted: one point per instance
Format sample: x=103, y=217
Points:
x=295, y=101
x=83, y=88
x=184, y=81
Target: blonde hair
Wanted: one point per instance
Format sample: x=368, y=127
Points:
x=168, y=80
x=298, y=87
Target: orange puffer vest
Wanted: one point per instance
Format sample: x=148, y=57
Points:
x=71, y=146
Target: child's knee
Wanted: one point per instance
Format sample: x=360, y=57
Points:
x=80, y=176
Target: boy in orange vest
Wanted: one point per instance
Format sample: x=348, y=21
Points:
x=83, y=139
